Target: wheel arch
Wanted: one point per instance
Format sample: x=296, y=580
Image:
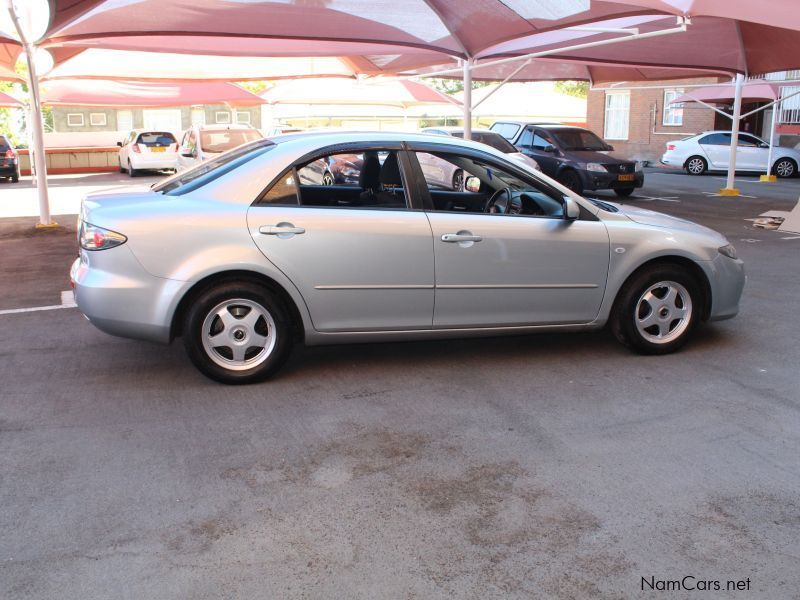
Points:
x=673, y=260
x=215, y=279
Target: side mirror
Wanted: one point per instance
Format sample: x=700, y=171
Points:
x=609, y=148
x=472, y=184
x=119, y=144
x=571, y=209
x=187, y=153
x=549, y=148
x=763, y=145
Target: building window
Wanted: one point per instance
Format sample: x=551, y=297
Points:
x=618, y=108
x=222, y=117
x=74, y=120
x=97, y=119
x=790, y=108
x=673, y=113
x=243, y=116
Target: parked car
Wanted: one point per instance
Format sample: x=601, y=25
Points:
x=339, y=169
x=454, y=177
x=711, y=150
x=261, y=259
x=574, y=156
x=142, y=149
x=203, y=142
x=9, y=160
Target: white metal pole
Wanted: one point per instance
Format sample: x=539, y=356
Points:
x=775, y=109
x=39, y=159
x=737, y=112
x=467, y=99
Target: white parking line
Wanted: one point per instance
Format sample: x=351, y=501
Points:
x=652, y=198
x=67, y=301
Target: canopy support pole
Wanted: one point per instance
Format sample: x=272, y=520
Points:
x=467, y=99
x=729, y=189
x=39, y=159
x=768, y=177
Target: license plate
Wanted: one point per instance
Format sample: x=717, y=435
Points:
x=625, y=178
x=158, y=149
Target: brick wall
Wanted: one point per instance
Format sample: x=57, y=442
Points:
x=647, y=136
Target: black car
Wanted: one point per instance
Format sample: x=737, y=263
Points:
x=9, y=161
x=574, y=156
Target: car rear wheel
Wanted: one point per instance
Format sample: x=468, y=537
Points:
x=696, y=165
x=14, y=178
x=237, y=333
x=657, y=310
x=571, y=180
x=131, y=171
x=785, y=168
x=624, y=192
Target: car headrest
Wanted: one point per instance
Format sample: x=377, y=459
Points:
x=369, y=178
x=390, y=171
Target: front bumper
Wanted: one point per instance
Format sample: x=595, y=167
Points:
x=727, y=279
x=596, y=180
x=119, y=297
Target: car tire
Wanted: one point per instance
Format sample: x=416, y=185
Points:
x=624, y=192
x=657, y=309
x=131, y=171
x=458, y=180
x=224, y=315
x=14, y=178
x=784, y=168
x=695, y=165
x=571, y=180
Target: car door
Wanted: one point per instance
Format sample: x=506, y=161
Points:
x=188, y=150
x=124, y=150
x=360, y=255
x=717, y=147
x=511, y=270
x=751, y=153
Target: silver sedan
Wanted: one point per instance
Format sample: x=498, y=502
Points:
x=241, y=256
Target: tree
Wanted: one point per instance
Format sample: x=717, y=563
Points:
x=579, y=89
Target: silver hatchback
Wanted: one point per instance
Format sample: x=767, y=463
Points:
x=244, y=255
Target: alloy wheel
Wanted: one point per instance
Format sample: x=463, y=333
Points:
x=695, y=166
x=238, y=334
x=784, y=168
x=663, y=312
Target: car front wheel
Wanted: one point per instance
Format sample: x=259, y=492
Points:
x=657, y=310
x=237, y=332
x=785, y=168
x=572, y=181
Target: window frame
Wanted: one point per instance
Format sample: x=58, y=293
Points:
x=92, y=119
x=410, y=187
x=615, y=136
x=672, y=111
x=217, y=114
x=246, y=113
x=432, y=148
x=69, y=119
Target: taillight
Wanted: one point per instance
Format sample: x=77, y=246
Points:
x=92, y=237
x=671, y=146
x=9, y=153
x=136, y=149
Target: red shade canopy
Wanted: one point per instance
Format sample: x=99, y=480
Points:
x=754, y=91
x=135, y=94
x=7, y=101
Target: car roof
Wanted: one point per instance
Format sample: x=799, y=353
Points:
x=537, y=123
x=451, y=130
x=223, y=126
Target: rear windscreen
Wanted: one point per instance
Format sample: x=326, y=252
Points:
x=156, y=138
x=3, y=144
x=222, y=140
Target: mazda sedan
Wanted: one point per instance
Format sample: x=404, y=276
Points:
x=242, y=258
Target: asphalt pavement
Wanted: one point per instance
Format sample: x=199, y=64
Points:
x=550, y=466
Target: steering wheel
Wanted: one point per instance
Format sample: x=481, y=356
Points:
x=503, y=202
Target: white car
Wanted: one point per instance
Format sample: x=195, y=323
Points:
x=710, y=150
x=143, y=149
x=202, y=142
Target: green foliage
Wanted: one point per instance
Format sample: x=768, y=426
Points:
x=256, y=87
x=452, y=86
x=579, y=89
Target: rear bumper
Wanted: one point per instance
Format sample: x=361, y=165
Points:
x=609, y=181
x=119, y=297
x=154, y=162
x=8, y=170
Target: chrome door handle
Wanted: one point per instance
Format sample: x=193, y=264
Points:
x=281, y=229
x=455, y=238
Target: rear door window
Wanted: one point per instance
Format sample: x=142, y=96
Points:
x=716, y=139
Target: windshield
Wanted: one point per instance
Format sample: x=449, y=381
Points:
x=209, y=170
x=495, y=140
x=578, y=139
x=222, y=140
